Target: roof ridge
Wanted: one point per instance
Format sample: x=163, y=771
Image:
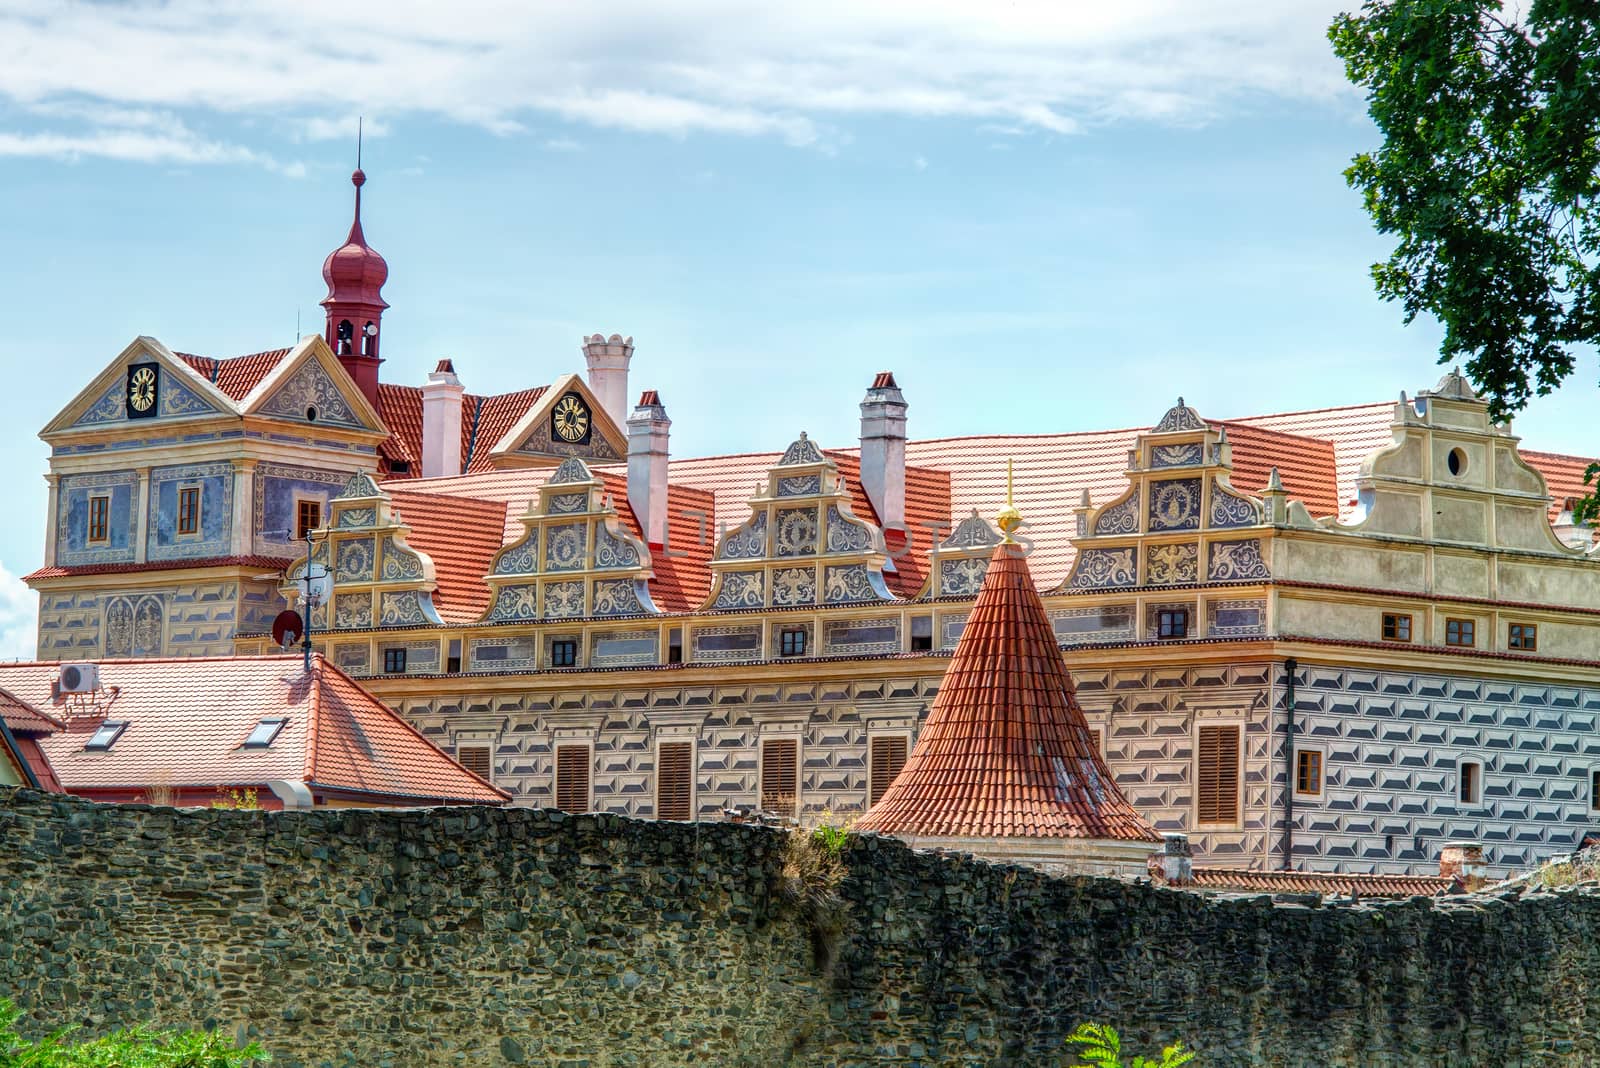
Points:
x=314, y=700
x=1311, y=411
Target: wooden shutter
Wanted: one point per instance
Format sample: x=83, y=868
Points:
x=780, y=779
x=888, y=756
x=477, y=759
x=572, y=778
x=1217, y=775
x=674, y=780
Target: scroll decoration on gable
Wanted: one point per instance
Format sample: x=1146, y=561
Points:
x=310, y=395
x=161, y=391
x=961, y=560
x=802, y=544
x=378, y=580
x=575, y=559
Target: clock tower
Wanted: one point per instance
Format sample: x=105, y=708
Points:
x=355, y=274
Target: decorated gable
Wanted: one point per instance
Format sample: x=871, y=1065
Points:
x=566, y=422
x=575, y=560
x=1180, y=523
x=959, y=562
x=377, y=579
x=310, y=394
x=802, y=544
x=145, y=382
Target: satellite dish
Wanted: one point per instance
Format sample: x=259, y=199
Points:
x=320, y=588
x=287, y=628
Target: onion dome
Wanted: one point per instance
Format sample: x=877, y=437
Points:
x=354, y=271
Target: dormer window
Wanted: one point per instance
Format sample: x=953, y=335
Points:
x=106, y=734
x=264, y=734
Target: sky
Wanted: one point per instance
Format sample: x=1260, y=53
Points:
x=1042, y=216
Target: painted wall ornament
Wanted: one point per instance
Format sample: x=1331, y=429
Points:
x=1179, y=417
x=616, y=597
x=748, y=542
x=973, y=532
x=1096, y=568
x=796, y=531
x=310, y=395
x=1237, y=560
x=1119, y=518
x=962, y=578
x=565, y=547
x=1175, y=504
x=1189, y=455
x=794, y=586
x=515, y=602
x=572, y=469
x=802, y=486
x=846, y=535
x=1230, y=509
x=1168, y=565
x=802, y=451
x=740, y=589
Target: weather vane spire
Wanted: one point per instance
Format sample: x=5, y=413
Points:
x=1009, y=518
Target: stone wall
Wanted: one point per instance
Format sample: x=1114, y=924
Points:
x=453, y=936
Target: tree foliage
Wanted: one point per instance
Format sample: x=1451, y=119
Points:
x=138, y=1048
x=1487, y=175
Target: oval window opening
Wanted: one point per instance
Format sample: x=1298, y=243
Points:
x=311, y=417
x=1456, y=461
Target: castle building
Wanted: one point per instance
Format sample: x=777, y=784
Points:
x=1334, y=639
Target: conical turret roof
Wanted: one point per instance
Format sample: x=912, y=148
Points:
x=1005, y=752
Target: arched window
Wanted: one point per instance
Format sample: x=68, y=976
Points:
x=369, y=339
x=343, y=336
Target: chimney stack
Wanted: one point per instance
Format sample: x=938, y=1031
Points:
x=1463, y=862
x=608, y=359
x=647, y=466
x=1174, y=865
x=883, y=450
x=441, y=422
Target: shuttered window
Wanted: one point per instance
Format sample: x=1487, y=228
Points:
x=572, y=778
x=1217, y=775
x=477, y=759
x=674, y=780
x=780, y=776
x=888, y=756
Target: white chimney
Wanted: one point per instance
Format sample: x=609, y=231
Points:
x=883, y=450
x=441, y=422
x=647, y=465
x=608, y=359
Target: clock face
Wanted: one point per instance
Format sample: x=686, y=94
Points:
x=569, y=421
x=141, y=391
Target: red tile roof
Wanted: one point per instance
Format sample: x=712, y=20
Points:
x=1563, y=476
x=1357, y=431
x=268, y=563
x=235, y=376
x=24, y=718
x=188, y=717
x=1307, y=467
x=461, y=536
x=1005, y=752
x=484, y=421
x=1317, y=882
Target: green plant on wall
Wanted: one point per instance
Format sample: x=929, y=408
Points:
x=242, y=797
x=1101, y=1047
x=138, y=1048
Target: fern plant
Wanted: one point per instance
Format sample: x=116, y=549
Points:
x=1101, y=1047
x=138, y=1048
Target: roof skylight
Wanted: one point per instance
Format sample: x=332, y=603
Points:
x=265, y=732
x=108, y=732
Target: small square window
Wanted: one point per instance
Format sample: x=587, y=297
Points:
x=792, y=642
x=1469, y=782
x=1460, y=632
x=394, y=661
x=478, y=759
x=921, y=634
x=564, y=652
x=1524, y=636
x=1308, y=772
x=265, y=732
x=1172, y=623
x=99, y=519
x=308, y=517
x=452, y=661
x=1594, y=790
x=189, y=510
x=107, y=733
x=1396, y=627
x=675, y=645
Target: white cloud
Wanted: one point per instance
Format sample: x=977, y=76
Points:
x=19, y=618
x=796, y=72
x=920, y=163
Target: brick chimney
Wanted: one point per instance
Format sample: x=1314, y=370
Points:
x=441, y=422
x=1174, y=864
x=883, y=450
x=608, y=359
x=1463, y=862
x=647, y=466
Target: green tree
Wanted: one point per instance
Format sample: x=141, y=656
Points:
x=1487, y=175
x=138, y=1048
x=1100, y=1046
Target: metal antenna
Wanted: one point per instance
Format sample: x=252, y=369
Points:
x=359, y=120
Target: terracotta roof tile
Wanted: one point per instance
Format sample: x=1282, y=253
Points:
x=188, y=717
x=461, y=536
x=270, y=563
x=494, y=419
x=24, y=718
x=1005, y=751
x=1563, y=477
x=1356, y=430
x=1308, y=467
x=484, y=421
x=235, y=376
x=1317, y=882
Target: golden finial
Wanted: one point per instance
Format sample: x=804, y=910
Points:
x=1009, y=518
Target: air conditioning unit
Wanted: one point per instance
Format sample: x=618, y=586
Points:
x=80, y=678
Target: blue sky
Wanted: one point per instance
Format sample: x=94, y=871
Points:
x=1047, y=217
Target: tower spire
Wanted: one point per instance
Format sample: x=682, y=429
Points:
x=355, y=274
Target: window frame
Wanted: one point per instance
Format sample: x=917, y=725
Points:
x=1523, y=637
x=1237, y=727
x=1465, y=626
x=1475, y=778
x=105, y=736
x=588, y=778
x=1321, y=762
x=394, y=655
x=568, y=658
x=97, y=520
x=761, y=776
x=265, y=732
x=793, y=642
x=1169, y=618
x=661, y=745
x=1594, y=788
x=919, y=643
x=187, y=523
x=300, y=505
x=873, y=738
x=1401, y=621
x=477, y=745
